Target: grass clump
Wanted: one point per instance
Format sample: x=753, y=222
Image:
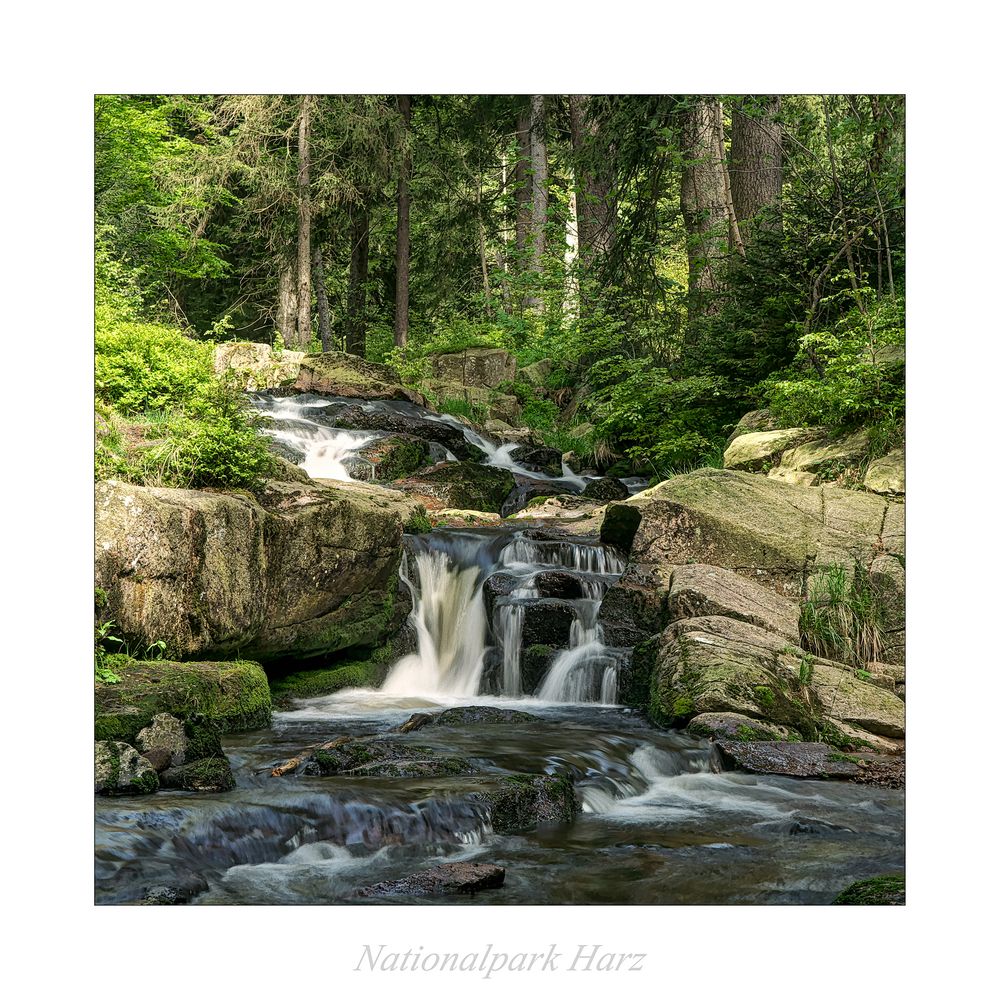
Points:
x=844, y=616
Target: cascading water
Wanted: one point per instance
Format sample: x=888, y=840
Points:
x=446, y=572
x=323, y=452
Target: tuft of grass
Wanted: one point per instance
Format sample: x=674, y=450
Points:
x=844, y=616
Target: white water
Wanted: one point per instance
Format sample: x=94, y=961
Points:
x=325, y=450
x=445, y=574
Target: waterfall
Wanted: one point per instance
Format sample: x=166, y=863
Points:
x=323, y=452
x=446, y=571
x=450, y=621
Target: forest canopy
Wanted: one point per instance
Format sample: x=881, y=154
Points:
x=675, y=260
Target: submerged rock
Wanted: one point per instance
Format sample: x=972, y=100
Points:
x=447, y=879
x=120, y=770
x=520, y=802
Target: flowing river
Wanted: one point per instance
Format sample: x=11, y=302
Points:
x=507, y=618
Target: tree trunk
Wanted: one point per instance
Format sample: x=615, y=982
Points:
x=755, y=161
x=402, y=323
x=703, y=201
x=539, y=192
x=304, y=334
x=288, y=306
x=522, y=224
x=322, y=302
x=354, y=333
x=596, y=210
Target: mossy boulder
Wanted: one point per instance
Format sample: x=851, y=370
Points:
x=606, y=488
x=256, y=366
x=537, y=373
x=303, y=569
x=120, y=770
x=733, y=726
x=479, y=367
x=336, y=374
x=755, y=420
x=635, y=607
x=887, y=475
x=210, y=774
x=768, y=531
x=814, y=456
x=883, y=890
x=759, y=450
x=519, y=802
x=460, y=485
x=394, y=457
x=361, y=672
x=234, y=696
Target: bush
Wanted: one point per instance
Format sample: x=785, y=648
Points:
x=143, y=366
x=163, y=419
x=844, y=377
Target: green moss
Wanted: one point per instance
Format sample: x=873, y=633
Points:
x=519, y=802
x=402, y=458
x=884, y=890
x=213, y=774
x=683, y=706
x=366, y=672
x=233, y=695
x=763, y=695
x=145, y=783
x=418, y=522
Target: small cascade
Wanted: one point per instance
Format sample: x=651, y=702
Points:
x=446, y=571
x=445, y=578
x=323, y=452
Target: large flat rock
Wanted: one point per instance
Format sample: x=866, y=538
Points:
x=460, y=877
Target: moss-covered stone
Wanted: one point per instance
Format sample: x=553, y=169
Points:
x=339, y=374
x=235, y=696
x=884, y=890
x=120, y=770
x=395, y=457
x=384, y=758
x=461, y=485
x=304, y=569
x=520, y=802
x=211, y=774
x=759, y=450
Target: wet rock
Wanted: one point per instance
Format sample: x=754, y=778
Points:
x=698, y=590
x=338, y=374
x=884, y=890
x=607, y=488
x=497, y=585
x=547, y=622
x=175, y=894
x=526, y=493
x=390, y=421
x=462, y=485
x=416, y=721
x=210, y=774
x=635, y=607
x=535, y=663
x=547, y=460
x=796, y=760
x=481, y=715
x=520, y=802
x=458, y=877
x=552, y=583
x=383, y=758
x=733, y=726
x=394, y=457
x=120, y=770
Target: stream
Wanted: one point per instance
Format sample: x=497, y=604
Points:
x=504, y=617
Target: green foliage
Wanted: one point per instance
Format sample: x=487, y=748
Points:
x=849, y=375
x=844, y=616
x=163, y=417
